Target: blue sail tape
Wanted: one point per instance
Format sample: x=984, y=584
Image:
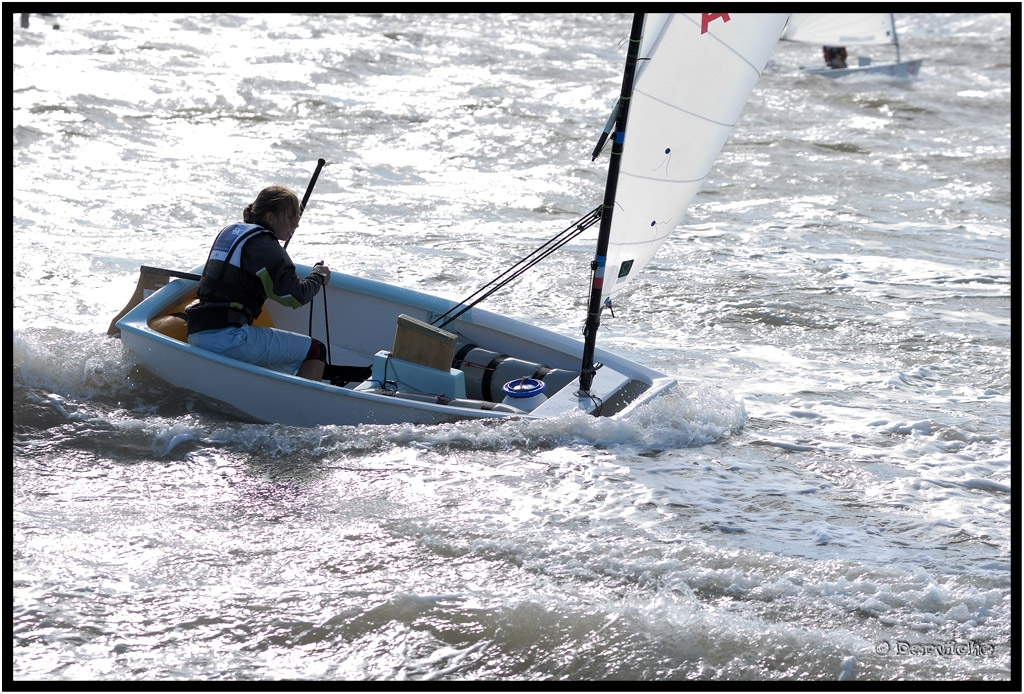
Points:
x=599, y=263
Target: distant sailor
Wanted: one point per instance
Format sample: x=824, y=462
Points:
x=835, y=56
x=246, y=266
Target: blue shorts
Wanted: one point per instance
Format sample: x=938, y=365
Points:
x=279, y=350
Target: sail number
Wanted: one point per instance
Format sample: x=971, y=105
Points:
x=708, y=17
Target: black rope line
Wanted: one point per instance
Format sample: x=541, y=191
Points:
x=327, y=327
x=598, y=402
x=520, y=267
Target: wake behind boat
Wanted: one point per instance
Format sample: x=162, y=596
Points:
x=835, y=31
x=397, y=355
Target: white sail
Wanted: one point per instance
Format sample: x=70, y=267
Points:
x=695, y=74
x=841, y=29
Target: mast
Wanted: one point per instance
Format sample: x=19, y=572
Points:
x=588, y=369
x=895, y=40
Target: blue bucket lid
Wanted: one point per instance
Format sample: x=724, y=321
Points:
x=523, y=387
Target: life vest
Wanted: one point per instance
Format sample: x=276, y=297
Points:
x=228, y=295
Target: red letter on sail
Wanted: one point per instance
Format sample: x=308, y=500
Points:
x=707, y=18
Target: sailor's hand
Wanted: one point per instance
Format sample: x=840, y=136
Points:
x=323, y=271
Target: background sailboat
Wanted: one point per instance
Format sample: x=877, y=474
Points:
x=840, y=30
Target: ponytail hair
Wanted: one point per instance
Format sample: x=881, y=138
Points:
x=273, y=199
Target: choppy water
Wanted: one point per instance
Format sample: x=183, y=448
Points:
x=827, y=496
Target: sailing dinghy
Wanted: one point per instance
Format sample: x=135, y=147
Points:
x=838, y=30
x=423, y=359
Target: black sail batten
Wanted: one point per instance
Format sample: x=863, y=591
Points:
x=608, y=128
x=588, y=369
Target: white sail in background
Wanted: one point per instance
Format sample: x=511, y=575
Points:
x=695, y=74
x=841, y=29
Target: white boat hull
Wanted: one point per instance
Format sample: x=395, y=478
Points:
x=906, y=69
x=362, y=317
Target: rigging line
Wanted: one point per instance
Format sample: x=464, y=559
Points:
x=477, y=301
x=520, y=267
x=499, y=285
x=327, y=328
x=481, y=294
x=553, y=244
